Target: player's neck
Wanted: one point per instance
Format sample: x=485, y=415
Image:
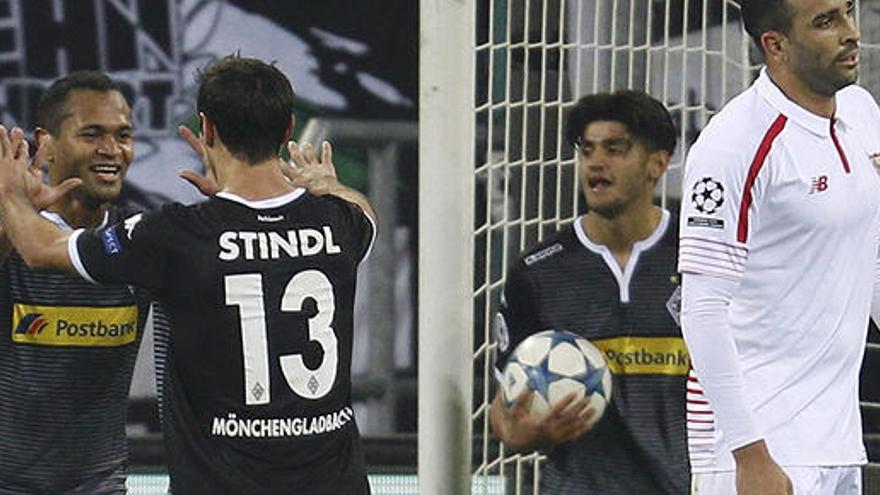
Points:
x=800, y=93
x=79, y=212
x=254, y=182
x=621, y=232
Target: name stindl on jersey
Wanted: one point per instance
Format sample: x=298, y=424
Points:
x=275, y=245
x=555, y=363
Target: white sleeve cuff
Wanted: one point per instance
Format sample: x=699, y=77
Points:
x=372, y=236
x=707, y=333
x=73, y=254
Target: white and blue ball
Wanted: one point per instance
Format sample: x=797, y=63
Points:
x=554, y=363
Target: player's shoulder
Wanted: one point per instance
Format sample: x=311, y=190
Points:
x=551, y=251
x=339, y=212
x=854, y=94
x=669, y=237
x=732, y=137
x=856, y=102
x=332, y=204
x=118, y=213
x=166, y=221
x=172, y=212
x=745, y=118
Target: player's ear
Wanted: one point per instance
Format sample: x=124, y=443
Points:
x=42, y=136
x=208, y=130
x=288, y=133
x=658, y=161
x=775, y=46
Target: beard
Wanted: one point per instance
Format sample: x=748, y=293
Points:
x=827, y=83
x=824, y=79
x=608, y=211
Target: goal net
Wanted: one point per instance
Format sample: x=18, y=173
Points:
x=532, y=59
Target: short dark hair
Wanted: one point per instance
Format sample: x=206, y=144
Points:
x=50, y=109
x=760, y=16
x=644, y=117
x=250, y=102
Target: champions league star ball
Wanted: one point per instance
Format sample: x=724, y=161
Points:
x=554, y=363
x=708, y=195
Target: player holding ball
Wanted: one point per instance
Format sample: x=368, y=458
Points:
x=611, y=278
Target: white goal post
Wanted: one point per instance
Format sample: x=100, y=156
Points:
x=496, y=80
x=446, y=216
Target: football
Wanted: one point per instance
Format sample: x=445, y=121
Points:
x=554, y=363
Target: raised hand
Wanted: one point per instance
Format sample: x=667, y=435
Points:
x=206, y=184
x=41, y=194
x=307, y=170
x=21, y=176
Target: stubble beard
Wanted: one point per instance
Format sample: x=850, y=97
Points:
x=825, y=80
x=610, y=211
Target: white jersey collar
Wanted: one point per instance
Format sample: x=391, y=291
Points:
x=786, y=106
x=264, y=204
x=623, y=276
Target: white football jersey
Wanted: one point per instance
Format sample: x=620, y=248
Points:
x=786, y=203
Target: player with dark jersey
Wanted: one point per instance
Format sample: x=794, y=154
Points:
x=260, y=298
x=68, y=347
x=258, y=285
x=611, y=278
x=567, y=283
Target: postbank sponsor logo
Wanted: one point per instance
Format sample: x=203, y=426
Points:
x=645, y=355
x=74, y=325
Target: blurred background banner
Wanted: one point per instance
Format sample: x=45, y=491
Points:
x=345, y=58
x=354, y=68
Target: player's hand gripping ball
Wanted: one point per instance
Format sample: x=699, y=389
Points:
x=554, y=363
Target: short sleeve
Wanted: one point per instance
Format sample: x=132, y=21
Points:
x=128, y=252
x=715, y=224
x=360, y=228
x=517, y=317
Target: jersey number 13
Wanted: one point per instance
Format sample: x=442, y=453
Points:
x=246, y=292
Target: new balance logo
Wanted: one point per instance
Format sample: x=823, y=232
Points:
x=820, y=184
x=875, y=159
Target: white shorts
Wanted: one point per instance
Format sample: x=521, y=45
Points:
x=838, y=480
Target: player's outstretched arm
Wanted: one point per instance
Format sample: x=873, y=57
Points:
x=40, y=243
x=318, y=175
x=522, y=431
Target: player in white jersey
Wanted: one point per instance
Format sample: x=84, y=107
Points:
x=778, y=249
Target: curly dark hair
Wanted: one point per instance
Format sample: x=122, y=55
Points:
x=644, y=117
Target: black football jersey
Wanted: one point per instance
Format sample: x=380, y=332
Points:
x=259, y=297
x=631, y=314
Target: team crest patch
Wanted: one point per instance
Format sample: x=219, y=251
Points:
x=673, y=305
x=708, y=195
